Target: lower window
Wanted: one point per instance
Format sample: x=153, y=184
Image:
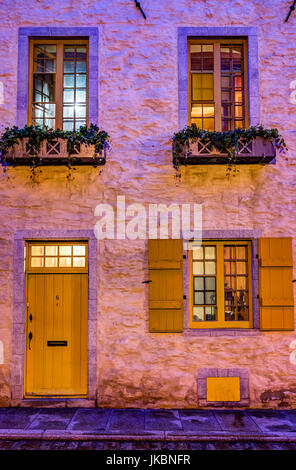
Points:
x=220, y=284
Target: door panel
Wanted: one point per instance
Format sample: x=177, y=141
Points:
x=58, y=305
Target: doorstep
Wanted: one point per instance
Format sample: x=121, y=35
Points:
x=57, y=403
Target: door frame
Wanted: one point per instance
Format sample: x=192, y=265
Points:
x=19, y=307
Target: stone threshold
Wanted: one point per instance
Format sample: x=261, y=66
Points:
x=56, y=403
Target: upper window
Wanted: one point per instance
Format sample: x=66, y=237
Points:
x=58, y=90
x=221, y=293
x=57, y=257
x=218, y=84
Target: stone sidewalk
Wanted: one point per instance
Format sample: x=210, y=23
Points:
x=147, y=425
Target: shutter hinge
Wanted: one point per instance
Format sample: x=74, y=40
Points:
x=184, y=297
x=294, y=280
x=146, y=282
x=257, y=256
x=184, y=256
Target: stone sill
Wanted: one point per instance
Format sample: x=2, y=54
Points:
x=221, y=332
x=56, y=403
x=54, y=153
x=254, y=152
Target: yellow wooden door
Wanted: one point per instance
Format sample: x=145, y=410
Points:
x=56, y=332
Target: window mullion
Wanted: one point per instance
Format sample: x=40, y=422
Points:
x=220, y=283
x=217, y=87
x=59, y=85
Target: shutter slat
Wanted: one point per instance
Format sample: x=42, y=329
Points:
x=275, y=284
x=166, y=285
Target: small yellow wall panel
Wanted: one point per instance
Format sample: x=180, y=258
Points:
x=223, y=389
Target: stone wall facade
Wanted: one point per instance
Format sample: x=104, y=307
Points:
x=138, y=105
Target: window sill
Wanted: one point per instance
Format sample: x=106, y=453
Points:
x=221, y=332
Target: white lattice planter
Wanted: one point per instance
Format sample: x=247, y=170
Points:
x=258, y=150
x=54, y=153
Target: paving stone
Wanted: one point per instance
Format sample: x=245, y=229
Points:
x=17, y=418
x=126, y=446
x=127, y=421
x=94, y=419
x=162, y=420
x=290, y=416
x=53, y=419
x=271, y=421
x=110, y=445
x=235, y=421
x=87, y=445
x=198, y=421
x=72, y=445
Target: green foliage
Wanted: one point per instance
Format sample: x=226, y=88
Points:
x=36, y=135
x=225, y=142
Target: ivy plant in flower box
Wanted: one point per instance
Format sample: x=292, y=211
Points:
x=35, y=146
x=240, y=146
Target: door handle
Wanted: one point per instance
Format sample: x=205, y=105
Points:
x=30, y=338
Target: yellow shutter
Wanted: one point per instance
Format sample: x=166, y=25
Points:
x=275, y=284
x=166, y=285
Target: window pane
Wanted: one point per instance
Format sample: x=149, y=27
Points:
x=79, y=262
x=241, y=282
x=198, y=314
x=69, y=66
x=199, y=298
x=81, y=66
x=198, y=267
x=197, y=253
x=65, y=250
x=196, y=111
x=81, y=81
x=225, y=59
x=210, y=283
x=229, y=282
x=241, y=252
x=69, y=53
x=210, y=267
x=80, y=111
x=69, y=96
x=68, y=111
x=210, y=298
x=199, y=283
x=81, y=52
x=229, y=267
x=44, y=58
x=69, y=81
x=51, y=250
x=80, y=123
x=210, y=252
x=68, y=125
x=51, y=262
x=211, y=313
x=44, y=88
x=80, y=96
x=37, y=250
x=236, y=59
x=65, y=262
x=79, y=250
x=37, y=262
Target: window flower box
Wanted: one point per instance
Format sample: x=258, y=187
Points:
x=192, y=146
x=200, y=152
x=36, y=146
x=55, y=152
